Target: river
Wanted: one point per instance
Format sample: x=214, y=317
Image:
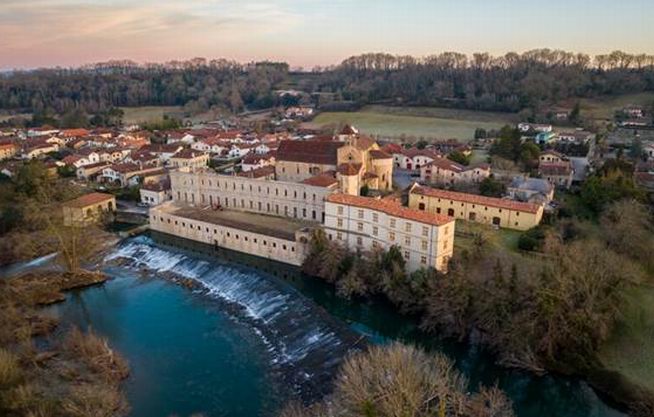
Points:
x=259, y=333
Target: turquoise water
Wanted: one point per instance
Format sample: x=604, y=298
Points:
x=254, y=338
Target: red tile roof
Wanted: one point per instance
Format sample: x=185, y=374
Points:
x=391, y=208
x=258, y=172
x=310, y=151
x=349, y=169
x=326, y=179
x=476, y=199
x=555, y=168
x=89, y=199
x=188, y=154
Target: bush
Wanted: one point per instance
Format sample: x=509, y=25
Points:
x=532, y=239
x=95, y=352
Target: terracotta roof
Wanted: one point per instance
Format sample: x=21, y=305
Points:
x=446, y=164
x=369, y=175
x=392, y=148
x=561, y=168
x=375, y=154
x=310, y=151
x=188, y=154
x=8, y=146
x=259, y=172
x=89, y=199
x=326, y=179
x=96, y=165
x=363, y=143
x=413, y=152
x=125, y=168
x=349, y=169
x=157, y=186
x=75, y=132
x=476, y=199
x=390, y=207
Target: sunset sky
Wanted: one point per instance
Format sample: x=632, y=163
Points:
x=35, y=33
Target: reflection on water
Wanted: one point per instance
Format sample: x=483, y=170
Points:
x=253, y=338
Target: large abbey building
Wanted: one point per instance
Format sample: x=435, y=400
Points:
x=354, y=161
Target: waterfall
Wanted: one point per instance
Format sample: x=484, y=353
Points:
x=305, y=343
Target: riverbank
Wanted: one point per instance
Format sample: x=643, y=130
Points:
x=47, y=368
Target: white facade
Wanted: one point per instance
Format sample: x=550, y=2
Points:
x=205, y=188
x=423, y=245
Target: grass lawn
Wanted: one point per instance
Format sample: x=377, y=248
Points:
x=135, y=115
x=416, y=122
x=630, y=350
x=605, y=107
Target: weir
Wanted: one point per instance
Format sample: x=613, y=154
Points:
x=305, y=343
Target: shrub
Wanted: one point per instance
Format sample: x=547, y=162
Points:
x=95, y=352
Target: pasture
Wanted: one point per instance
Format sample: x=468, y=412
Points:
x=415, y=122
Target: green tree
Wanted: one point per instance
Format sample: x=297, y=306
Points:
x=490, y=187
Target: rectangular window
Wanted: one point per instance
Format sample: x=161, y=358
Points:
x=339, y=222
x=392, y=222
x=375, y=230
x=360, y=227
x=339, y=235
x=391, y=236
x=423, y=260
x=407, y=255
x=425, y=231
x=424, y=245
x=375, y=217
x=359, y=241
x=407, y=227
x=360, y=214
x=407, y=241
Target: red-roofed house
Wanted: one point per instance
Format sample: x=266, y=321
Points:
x=471, y=207
x=446, y=172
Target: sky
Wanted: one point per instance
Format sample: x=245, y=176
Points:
x=308, y=33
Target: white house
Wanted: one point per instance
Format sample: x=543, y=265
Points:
x=424, y=239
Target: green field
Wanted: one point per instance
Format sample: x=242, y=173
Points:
x=415, y=122
x=630, y=350
x=604, y=108
x=135, y=115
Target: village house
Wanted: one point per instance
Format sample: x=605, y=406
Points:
x=39, y=150
x=413, y=159
x=164, y=152
x=189, y=158
x=125, y=174
x=262, y=173
x=298, y=160
x=534, y=127
x=425, y=239
x=446, y=172
x=90, y=172
x=8, y=150
x=476, y=208
x=575, y=136
x=635, y=112
x=254, y=161
x=530, y=190
x=76, y=161
x=543, y=138
x=155, y=193
x=42, y=131
x=211, y=145
x=556, y=168
x=88, y=208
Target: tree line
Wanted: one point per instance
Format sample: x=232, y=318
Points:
x=198, y=84
x=512, y=82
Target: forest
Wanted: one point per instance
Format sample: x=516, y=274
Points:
x=197, y=84
x=530, y=82
x=513, y=82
